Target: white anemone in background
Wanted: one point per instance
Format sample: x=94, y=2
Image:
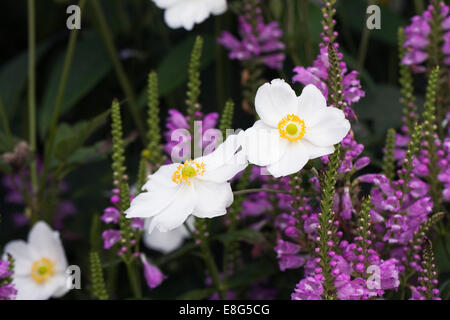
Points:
x=186, y=13
x=292, y=129
x=196, y=187
x=166, y=242
x=40, y=264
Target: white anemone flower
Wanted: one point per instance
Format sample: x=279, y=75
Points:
x=292, y=129
x=166, y=242
x=196, y=187
x=40, y=264
x=186, y=13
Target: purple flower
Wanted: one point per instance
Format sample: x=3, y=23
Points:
x=110, y=215
x=260, y=44
x=137, y=223
x=350, y=290
x=290, y=262
x=286, y=247
x=8, y=292
x=177, y=139
x=287, y=255
x=153, y=275
x=389, y=274
x=317, y=74
x=110, y=238
x=309, y=288
x=417, y=38
x=4, y=271
x=255, y=205
x=362, y=162
x=347, y=206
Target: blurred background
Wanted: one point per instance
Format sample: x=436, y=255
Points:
x=134, y=32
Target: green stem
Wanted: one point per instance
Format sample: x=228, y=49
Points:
x=4, y=119
x=201, y=237
x=212, y=268
x=362, y=53
x=120, y=72
x=134, y=280
x=32, y=97
x=245, y=191
x=59, y=97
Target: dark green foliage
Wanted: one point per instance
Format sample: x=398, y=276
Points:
x=407, y=87
x=119, y=175
x=226, y=119
x=430, y=134
x=154, y=147
x=326, y=219
x=97, y=281
x=194, y=83
x=411, y=152
x=363, y=225
x=429, y=272
x=388, y=159
x=335, y=91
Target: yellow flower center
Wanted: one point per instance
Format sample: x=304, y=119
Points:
x=42, y=270
x=188, y=170
x=291, y=127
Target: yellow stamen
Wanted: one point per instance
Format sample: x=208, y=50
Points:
x=187, y=171
x=42, y=270
x=291, y=127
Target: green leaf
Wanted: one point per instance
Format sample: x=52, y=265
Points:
x=173, y=69
x=247, y=235
x=89, y=66
x=445, y=290
x=354, y=12
x=13, y=75
x=7, y=142
x=442, y=253
x=196, y=294
x=88, y=154
x=382, y=108
x=69, y=139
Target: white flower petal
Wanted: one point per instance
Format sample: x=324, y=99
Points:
x=60, y=285
x=150, y=203
x=293, y=160
x=274, y=101
x=47, y=243
x=312, y=104
x=218, y=6
x=263, y=145
x=162, y=177
x=331, y=129
x=224, y=163
x=315, y=151
x=213, y=199
x=164, y=4
x=185, y=14
x=166, y=242
x=176, y=212
x=28, y=289
x=23, y=255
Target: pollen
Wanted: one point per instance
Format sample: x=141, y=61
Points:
x=187, y=171
x=42, y=270
x=291, y=127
